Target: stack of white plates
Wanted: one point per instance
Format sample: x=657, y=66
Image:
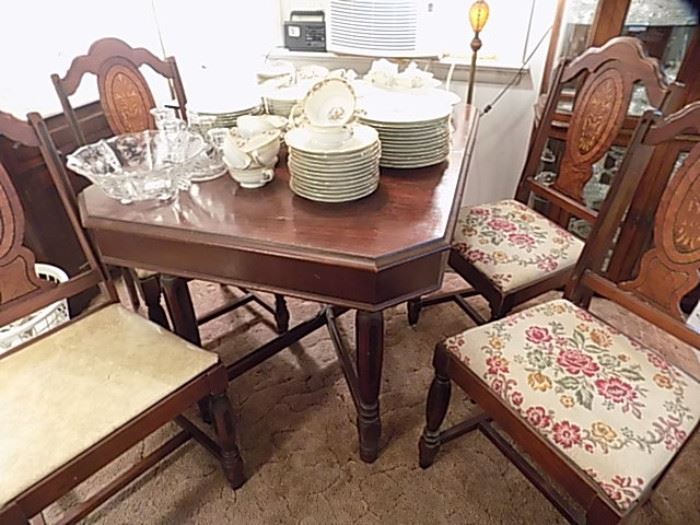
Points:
x=281, y=100
x=228, y=119
x=337, y=172
x=412, y=137
x=279, y=108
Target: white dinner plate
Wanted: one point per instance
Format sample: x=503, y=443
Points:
x=330, y=189
x=353, y=172
x=412, y=159
x=414, y=164
x=321, y=197
x=311, y=172
x=342, y=163
x=332, y=169
x=425, y=145
x=386, y=114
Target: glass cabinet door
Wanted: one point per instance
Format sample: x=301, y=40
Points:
x=576, y=27
x=665, y=27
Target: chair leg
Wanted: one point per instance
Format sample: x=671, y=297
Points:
x=599, y=513
x=231, y=460
x=130, y=285
x=500, y=308
x=281, y=314
x=179, y=303
x=151, y=295
x=435, y=410
x=414, y=307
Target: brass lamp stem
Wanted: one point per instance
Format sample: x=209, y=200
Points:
x=476, y=45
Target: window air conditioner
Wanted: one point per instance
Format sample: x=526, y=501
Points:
x=384, y=28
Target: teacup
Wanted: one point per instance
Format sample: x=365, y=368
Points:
x=263, y=148
x=330, y=103
x=250, y=125
x=330, y=136
x=251, y=178
x=258, y=151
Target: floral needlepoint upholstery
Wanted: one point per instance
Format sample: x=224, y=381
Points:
x=513, y=245
x=617, y=410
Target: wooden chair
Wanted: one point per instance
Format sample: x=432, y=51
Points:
x=126, y=100
x=600, y=413
x=508, y=252
x=77, y=397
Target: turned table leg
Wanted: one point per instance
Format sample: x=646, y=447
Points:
x=369, y=327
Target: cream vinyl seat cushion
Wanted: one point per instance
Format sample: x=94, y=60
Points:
x=64, y=393
x=616, y=410
x=512, y=245
x=144, y=274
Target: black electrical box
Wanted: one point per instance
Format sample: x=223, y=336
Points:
x=305, y=31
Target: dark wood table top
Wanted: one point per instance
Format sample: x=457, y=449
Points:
x=409, y=212
x=409, y=218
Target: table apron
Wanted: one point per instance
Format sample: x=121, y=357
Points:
x=330, y=283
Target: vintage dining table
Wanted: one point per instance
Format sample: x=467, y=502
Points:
x=366, y=256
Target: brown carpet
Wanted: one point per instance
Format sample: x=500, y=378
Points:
x=298, y=439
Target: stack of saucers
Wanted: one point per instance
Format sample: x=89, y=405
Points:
x=331, y=160
x=334, y=171
x=412, y=137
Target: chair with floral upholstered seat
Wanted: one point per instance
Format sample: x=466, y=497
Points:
x=597, y=410
x=510, y=253
x=77, y=397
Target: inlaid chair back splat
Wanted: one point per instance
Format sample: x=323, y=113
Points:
x=21, y=291
x=607, y=77
x=124, y=93
x=670, y=267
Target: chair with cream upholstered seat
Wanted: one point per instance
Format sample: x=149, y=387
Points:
x=596, y=409
x=510, y=253
x=75, y=398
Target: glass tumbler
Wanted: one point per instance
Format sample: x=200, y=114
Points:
x=161, y=115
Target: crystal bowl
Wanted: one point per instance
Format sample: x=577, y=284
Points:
x=139, y=166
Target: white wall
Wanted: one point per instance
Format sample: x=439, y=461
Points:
x=501, y=146
x=218, y=45
x=39, y=38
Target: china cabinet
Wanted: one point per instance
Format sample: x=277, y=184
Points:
x=667, y=28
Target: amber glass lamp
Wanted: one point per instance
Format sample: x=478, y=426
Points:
x=478, y=16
